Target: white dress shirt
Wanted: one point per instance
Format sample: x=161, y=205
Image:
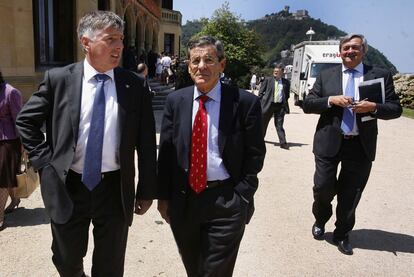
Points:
x=110, y=150
x=215, y=167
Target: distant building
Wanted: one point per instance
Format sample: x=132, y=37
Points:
x=300, y=14
x=38, y=34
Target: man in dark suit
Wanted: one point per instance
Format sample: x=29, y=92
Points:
x=274, y=95
x=346, y=133
x=87, y=159
x=210, y=155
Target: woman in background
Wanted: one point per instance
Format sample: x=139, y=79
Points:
x=10, y=147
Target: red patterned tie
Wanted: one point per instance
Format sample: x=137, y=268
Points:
x=198, y=167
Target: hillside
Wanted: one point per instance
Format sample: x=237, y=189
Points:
x=280, y=31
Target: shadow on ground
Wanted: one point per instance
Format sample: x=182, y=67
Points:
x=379, y=240
x=27, y=217
x=291, y=144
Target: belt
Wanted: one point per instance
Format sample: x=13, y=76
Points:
x=104, y=175
x=349, y=136
x=217, y=183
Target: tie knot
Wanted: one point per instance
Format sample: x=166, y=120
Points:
x=101, y=77
x=351, y=71
x=203, y=99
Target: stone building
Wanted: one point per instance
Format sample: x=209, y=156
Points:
x=40, y=34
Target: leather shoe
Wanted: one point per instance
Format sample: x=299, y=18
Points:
x=318, y=231
x=284, y=146
x=344, y=246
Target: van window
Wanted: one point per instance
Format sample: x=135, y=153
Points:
x=318, y=67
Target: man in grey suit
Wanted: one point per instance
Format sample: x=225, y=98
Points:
x=96, y=116
x=274, y=95
x=346, y=133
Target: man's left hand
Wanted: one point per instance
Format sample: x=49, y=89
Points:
x=364, y=107
x=142, y=206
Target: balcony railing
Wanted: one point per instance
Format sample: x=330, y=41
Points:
x=171, y=16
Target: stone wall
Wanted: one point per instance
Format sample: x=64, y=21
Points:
x=404, y=87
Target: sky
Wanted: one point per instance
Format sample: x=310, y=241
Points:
x=388, y=25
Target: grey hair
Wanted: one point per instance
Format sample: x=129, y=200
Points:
x=350, y=36
x=205, y=41
x=280, y=66
x=95, y=21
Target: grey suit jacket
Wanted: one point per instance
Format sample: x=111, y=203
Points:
x=57, y=104
x=266, y=94
x=327, y=140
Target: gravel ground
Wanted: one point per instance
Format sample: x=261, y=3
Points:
x=278, y=241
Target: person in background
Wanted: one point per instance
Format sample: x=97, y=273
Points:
x=158, y=68
x=87, y=159
x=209, y=158
x=253, y=82
x=274, y=95
x=346, y=134
x=10, y=147
x=142, y=71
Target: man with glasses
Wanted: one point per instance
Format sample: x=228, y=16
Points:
x=347, y=134
x=209, y=158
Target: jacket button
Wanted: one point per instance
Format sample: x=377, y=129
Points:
x=183, y=191
x=186, y=169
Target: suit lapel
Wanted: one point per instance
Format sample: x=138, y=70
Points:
x=122, y=93
x=186, y=118
x=228, y=109
x=74, y=94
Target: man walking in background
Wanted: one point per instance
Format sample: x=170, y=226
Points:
x=346, y=133
x=274, y=95
x=96, y=116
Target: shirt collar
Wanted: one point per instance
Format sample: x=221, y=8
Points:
x=359, y=68
x=89, y=72
x=214, y=94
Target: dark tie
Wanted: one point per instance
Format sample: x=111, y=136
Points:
x=198, y=167
x=348, y=116
x=91, y=175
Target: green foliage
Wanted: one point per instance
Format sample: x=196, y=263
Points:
x=248, y=44
x=241, y=45
x=408, y=113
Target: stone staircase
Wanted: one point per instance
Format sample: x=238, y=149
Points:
x=161, y=92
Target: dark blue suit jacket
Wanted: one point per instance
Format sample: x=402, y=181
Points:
x=240, y=142
x=328, y=136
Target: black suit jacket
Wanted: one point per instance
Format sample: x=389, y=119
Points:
x=240, y=143
x=267, y=91
x=57, y=103
x=327, y=140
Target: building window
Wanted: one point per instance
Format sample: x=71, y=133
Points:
x=169, y=43
x=167, y=4
x=54, y=33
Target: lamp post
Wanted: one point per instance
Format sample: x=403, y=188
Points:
x=310, y=33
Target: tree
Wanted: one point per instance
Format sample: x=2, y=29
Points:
x=241, y=45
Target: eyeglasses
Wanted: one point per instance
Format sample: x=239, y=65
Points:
x=353, y=47
x=206, y=60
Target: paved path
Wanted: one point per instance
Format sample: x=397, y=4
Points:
x=278, y=241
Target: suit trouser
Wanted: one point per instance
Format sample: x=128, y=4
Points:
x=278, y=112
x=209, y=233
x=348, y=186
x=101, y=206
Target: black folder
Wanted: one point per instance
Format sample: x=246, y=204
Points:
x=373, y=91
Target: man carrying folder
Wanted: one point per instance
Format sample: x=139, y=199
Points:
x=347, y=134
